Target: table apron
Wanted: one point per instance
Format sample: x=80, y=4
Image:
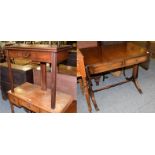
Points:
x=39, y=56
x=94, y=69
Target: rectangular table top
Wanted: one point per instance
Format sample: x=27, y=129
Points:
x=111, y=57
x=33, y=98
x=112, y=53
x=38, y=47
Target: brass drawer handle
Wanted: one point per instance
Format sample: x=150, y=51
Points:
x=26, y=54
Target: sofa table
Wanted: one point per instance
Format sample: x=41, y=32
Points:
x=112, y=57
x=30, y=96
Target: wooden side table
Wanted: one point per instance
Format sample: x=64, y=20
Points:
x=39, y=98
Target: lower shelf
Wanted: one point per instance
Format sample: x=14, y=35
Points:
x=31, y=97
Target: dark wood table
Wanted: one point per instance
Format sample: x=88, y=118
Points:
x=38, y=53
x=112, y=57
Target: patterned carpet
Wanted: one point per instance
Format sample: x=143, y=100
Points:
x=124, y=98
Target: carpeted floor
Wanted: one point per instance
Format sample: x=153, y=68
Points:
x=124, y=98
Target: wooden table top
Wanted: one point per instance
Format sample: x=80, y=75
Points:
x=111, y=57
x=112, y=53
x=35, y=98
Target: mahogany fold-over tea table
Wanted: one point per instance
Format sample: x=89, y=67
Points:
x=112, y=57
x=33, y=97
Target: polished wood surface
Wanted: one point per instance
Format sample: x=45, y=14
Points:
x=80, y=65
x=43, y=54
x=113, y=57
x=53, y=77
x=43, y=76
x=31, y=97
x=38, y=53
x=108, y=58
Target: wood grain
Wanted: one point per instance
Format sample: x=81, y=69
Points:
x=31, y=97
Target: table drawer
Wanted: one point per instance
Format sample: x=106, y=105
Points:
x=15, y=54
x=20, y=54
x=105, y=67
x=135, y=61
x=41, y=57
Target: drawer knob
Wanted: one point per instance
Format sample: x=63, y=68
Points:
x=26, y=54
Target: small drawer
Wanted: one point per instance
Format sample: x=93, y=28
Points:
x=15, y=54
x=135, y=61
x=20, y=54
x=41, y=56
x=26, y=54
